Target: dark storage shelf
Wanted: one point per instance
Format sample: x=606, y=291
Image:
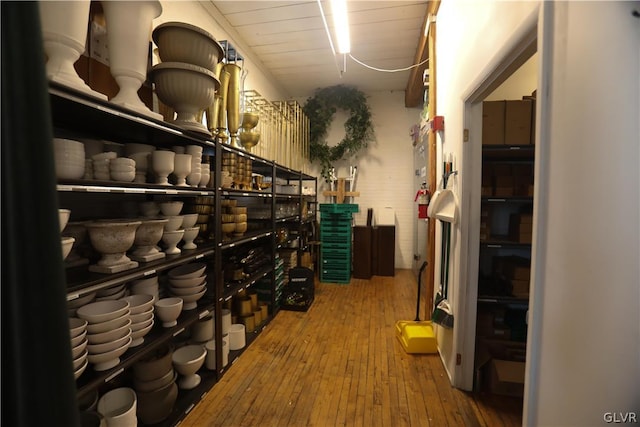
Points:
x=232, y=288
x=81, y=281
x=288, y=219
x=229, y=192
x=79, y=112
x=96, y=186
x=500, y=299
x=507, y=199
x=248, y=237
x=91, y=379
x=503, y=243
x=507, y=152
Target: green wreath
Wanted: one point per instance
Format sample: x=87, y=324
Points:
x=320, y=110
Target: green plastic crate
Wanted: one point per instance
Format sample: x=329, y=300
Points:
x=338, y=207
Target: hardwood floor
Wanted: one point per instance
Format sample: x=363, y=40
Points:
x=340, y=364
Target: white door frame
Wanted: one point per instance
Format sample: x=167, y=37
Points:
x=529, y=38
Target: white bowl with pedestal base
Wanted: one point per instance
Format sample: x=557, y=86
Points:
x=187, y=360
x=147, y=237
x=112, y=238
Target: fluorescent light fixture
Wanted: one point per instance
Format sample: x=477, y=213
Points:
x=341, y=25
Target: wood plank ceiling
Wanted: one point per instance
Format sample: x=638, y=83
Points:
x=290, y=40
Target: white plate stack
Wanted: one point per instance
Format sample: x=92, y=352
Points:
x=188, y=282
x=141, y=315
x=108, y=332
x=78, y=334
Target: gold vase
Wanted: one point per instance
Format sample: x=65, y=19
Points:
x=233, y=102
x=212, y=114
x=222, y=107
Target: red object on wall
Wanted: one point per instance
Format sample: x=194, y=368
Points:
x=437, y=123
x=422, y=211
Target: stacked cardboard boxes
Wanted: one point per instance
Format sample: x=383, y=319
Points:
x=510, y=122
x=521, y=227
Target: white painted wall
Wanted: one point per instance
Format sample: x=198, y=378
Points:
x=584, y=337
x=459, y=63
x=385, y=168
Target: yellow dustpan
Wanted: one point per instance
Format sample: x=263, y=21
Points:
x=417, y=336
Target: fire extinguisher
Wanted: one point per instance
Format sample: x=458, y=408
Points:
x=422, y=197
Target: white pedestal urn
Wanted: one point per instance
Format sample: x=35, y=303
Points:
x=128, y=35
x=64, y=33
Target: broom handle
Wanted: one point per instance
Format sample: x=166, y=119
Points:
x=424, y=265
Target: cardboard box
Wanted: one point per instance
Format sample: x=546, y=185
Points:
x=521, y=272
x=520, y=288
x=525, y=238
x=532, y=98
x=493, y=122
x=517, y=123
x=503, y=191
x=506, y=377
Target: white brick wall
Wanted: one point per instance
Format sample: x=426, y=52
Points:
x=385, y=168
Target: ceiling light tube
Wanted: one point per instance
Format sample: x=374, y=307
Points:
x=341, y=25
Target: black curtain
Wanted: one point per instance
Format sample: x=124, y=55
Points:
x=38, y=388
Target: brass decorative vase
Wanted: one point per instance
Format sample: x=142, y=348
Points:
x=233, y=102
x=222, y=108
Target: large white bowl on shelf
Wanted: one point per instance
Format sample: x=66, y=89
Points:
x=179, y=292
x=139, y=303
x=182, y=42
x=111, y=335
x=188, y=282
x=189, y=220
x=173, y=223
x=81, y=369
x=118, y=407
x=138, y=335
x=101, y=311
x=171, y=208
x=69, y=158
x=66, y=243
x=77, y=340
x=168, y=310
x=186, y=88
x=143, y=317
x=187, y=271
x=79, y=348
x=80, y=301
x=187, y=360
x=113, y=238
x=109, y=325
x=109, y=345
x=63, y=218
x=77, y=326
x=104, y=361
x=191, y=301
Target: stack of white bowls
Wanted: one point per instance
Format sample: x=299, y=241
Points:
x=108, y=331
x=155, y=383
x=191, y=230
x=69, y=158
x=75, y=304
x=173, y=231
x=237, y=337
x=122, y=169
x=193, y=179
x=141, y=315
x=101, y=168
x=65, y=241
x=146, y=286
x=205, y=174
x=78, y=334
x=188, y=282
x=141, y=154
x=112, y=292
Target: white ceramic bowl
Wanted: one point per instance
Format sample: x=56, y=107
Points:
x=188, y=282
x=179, y=292
x=191, y=301
x=138, y=335
x=109, y=345
x=182, y=42
x=149, y=209
x=118, y=407
x=80, y=301
x=111, y=335
x=108, y=155
x=137, y=326
x=66, y=244
x=104, y=361
x=77, y=326
x=171, y=239
x=171, y=208
x=81, y=369
x=122, y=163
x=188, y=359
x=173, y=223
x=112, y=236
x=79, y=348
x=168, y=310
x=189, y=220
x=79, y=359
x=237, y=337
x=123, y=176
x=75, y=341
x=186, y=88
x=139, y=303
x=111, y=290
x=63, y=217
x=101, y=311
x=109, y=325
x=146, y=386
x=143, y=317
x=187, y=271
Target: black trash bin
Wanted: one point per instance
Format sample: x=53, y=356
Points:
x=298, y=294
